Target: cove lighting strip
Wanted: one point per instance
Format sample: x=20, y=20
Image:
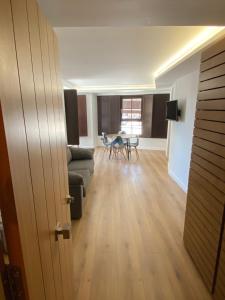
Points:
x=115, y=87
x=189, y=48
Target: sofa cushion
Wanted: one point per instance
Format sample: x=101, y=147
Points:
x=81, y=153
x=76, y=165
x=68, y=154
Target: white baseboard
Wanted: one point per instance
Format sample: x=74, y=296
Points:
x=151, y=148
x=178, y=181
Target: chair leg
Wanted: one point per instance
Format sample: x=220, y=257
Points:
x=110, y=152
x=137, y=154
x=114, y=152
x=122, y=150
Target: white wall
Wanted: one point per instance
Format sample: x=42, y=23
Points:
x=180, y=140
x=91, y=139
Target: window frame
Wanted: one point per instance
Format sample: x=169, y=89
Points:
x=130, y=119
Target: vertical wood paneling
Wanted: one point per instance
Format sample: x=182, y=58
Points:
x=18, y=155
x=8, y=214
x=67, y=219
x=59, y=156
x=206, y=192
x=63, y=178
x=35, y=131
x=45, y=140
x=50, y=92
x=23, y=47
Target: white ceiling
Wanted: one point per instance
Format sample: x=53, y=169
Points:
x=71, y=13
x=118, y=56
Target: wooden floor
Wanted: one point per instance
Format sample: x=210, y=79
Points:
x=128, y=245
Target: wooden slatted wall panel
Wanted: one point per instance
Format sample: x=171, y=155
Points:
x=220, y=280
x=206, y=191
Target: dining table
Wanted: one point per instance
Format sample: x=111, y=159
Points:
x=126, y=137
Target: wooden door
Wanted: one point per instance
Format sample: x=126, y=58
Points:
x=33, y=115
x=18, y=156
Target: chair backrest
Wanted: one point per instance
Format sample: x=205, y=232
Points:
x=134, y=141
x=104, y=138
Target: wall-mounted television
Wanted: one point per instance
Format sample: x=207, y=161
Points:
x=172, y=111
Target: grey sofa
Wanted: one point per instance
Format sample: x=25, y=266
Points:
x=80, y=169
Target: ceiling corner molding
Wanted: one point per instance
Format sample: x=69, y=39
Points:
x=115, y=88
x=207, y=36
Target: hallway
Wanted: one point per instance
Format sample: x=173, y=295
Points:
x=128, y=245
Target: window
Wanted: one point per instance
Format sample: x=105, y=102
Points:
x=131, y=121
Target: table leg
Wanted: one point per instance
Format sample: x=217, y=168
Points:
x=128, y=150
x=110, y=152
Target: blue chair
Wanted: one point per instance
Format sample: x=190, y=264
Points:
x=133, y=144
x=105, y=141
x=117, y=147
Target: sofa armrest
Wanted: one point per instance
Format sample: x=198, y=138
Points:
x=75, y=179
x=81, y=153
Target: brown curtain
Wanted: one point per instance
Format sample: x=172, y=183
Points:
x=159, y=122
x=109, y=114
x=72, y=124
x=82, y=115
x=147, y=110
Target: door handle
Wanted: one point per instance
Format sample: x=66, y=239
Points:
x=64, y=230
x=69, y=199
